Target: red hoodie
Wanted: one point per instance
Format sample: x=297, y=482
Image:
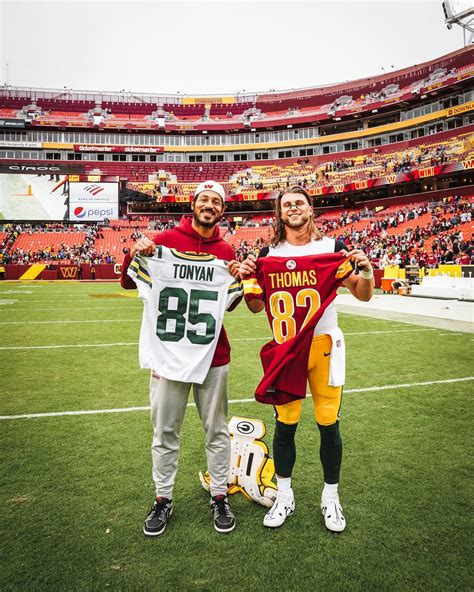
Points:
x=185, y=238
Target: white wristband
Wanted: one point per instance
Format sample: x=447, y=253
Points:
x=367, y=275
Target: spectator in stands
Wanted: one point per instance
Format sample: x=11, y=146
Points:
x=169, y=397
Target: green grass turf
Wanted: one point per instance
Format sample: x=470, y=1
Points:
x=75, y=489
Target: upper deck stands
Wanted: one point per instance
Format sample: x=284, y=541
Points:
x=301, y=105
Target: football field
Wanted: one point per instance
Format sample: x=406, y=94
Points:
x=76, y=467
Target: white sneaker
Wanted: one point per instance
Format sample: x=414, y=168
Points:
x=283, y=507
x=332, y=512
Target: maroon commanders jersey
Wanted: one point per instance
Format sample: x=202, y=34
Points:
x=296, y=292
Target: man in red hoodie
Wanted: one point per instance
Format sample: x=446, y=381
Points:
x=168, y=398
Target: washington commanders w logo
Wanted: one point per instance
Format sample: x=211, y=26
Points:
x=468, y=164
x=68, y=272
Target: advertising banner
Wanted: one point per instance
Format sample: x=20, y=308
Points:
x=107, y=148
x=19, y=144
x=229, y=100
x=93, y=202
x=460, y=109
x=41, y=169
x=101, y=271
x=18, y=123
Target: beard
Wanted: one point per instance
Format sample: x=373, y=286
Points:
x=299, y=223
x=206, y=223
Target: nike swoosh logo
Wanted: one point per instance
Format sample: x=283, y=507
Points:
x=327, y=354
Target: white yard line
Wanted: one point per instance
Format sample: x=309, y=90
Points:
x=370, y=389
x=452, y=333
x=63, y=322
x=392, y=331
x=55, y=308
x=262, y=338
x=99, y=298
x=26, y=347
x=388, y=387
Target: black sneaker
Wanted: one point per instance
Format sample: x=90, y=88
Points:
x=224, y=519
x=158, y=516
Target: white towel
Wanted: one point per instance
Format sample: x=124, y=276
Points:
x=337, y=363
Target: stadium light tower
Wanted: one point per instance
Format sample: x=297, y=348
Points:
x=456, y=14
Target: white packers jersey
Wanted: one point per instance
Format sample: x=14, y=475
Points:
x=185, y=297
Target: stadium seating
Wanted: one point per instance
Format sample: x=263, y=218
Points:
x=467, y=230
x=313, y=172
x=10, y=113
x=39, y=241
x=383, y=230
x=422, y=221
x=248, y=234
x=355, y=226
x=113, y=242
x=61, y=117
x=301, y=106
x=321, y=172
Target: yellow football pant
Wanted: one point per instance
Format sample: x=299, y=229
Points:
x=326, y=399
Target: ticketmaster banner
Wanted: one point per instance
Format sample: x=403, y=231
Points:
x=12, y=122
x=93, y=201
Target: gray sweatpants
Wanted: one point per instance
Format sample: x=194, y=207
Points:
x=168, y=399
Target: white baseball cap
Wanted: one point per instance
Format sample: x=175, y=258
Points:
x=210, y=186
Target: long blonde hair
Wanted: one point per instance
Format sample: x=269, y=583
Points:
x=279, y=229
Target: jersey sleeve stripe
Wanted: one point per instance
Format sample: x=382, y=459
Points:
x=251, y=286
x=138, y=270
x=254, y=290
x=145, y=279
x=344, y=269
x=136, y=266
x=249, y=283
x=136, y=274
x=235, y=287
x=137, y=261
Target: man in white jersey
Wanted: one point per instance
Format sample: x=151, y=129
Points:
x=295, y=235
x=186, y=313
x=185, y=298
